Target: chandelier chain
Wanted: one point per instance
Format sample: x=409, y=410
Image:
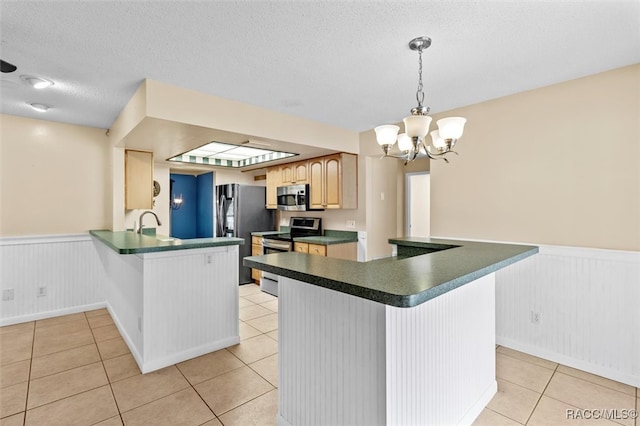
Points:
x=420, y=93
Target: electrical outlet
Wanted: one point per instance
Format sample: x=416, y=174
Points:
x=535, y=318
x=42, y=291
x=350, y=224
x=7, y=294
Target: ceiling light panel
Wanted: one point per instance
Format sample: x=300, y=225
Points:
x=228, y=155
x=249, y=152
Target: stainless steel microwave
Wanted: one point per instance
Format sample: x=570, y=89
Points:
x=293, y=198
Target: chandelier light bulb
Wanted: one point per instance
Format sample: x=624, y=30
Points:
x=386, y=134
x=437, y=141
x=417, y=126
x=451, y=128
x=404, y=142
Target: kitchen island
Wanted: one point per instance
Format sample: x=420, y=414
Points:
x=171, y=299
x=408, y=339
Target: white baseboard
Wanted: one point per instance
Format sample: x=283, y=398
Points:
x=570, y=361
x=125, y=336
x=52, y=314
x=475, y=411
x=280, y=421
x=177, y=357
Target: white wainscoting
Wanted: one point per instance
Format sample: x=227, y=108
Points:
x=173, y=306
x=336, y=342
x=69, y=267
x=441, y=357
x=190, y=304
x=348, y=360
x=588, y=301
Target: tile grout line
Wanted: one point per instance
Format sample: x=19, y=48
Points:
x=502, y=415
x=105, y=373
x=555, y=370
x=215, y=416
x=26, y=400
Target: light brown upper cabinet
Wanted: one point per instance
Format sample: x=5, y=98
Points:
x=273, y=181
x=333, y=182
x=294, y=173
x=138, y=180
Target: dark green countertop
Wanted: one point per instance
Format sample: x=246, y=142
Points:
x=398, y=281
x=265, y=233
x=324, y=241
x=129, y=242
x=330, y=237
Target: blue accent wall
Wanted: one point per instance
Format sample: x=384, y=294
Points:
x=195, y=218
x=204, y=217
x=183, y=220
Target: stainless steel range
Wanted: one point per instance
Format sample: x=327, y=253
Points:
x=298, y=227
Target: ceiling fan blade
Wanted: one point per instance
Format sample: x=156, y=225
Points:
x=7, y=67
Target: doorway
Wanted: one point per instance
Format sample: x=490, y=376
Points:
x=418, y=204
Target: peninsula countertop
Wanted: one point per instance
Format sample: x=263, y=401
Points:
x=129, y=242
x=402, y=281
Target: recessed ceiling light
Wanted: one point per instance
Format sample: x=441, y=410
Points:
x=40, y=107
x=37, y=82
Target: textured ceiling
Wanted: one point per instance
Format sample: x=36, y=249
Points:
x=337, y=62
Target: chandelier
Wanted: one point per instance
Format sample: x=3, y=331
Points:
x=413, y=143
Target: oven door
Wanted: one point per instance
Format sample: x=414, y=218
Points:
x=269, y=281
x=275, y=246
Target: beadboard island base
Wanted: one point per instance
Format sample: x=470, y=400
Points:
x=407, y=340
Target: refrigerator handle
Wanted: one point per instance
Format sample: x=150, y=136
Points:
x=222, y=219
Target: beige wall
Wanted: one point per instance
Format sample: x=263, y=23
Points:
x=186, y=106
x=54, y=177
x=558, y=165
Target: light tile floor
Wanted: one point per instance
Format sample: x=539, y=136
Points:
x=76, y=370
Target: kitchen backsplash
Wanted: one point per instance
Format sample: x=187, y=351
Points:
x=331, y=219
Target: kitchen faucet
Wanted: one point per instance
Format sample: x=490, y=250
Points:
x=139, y=230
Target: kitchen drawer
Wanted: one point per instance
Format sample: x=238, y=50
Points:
x=317, y=249
x=301, y=247
x=256, y=240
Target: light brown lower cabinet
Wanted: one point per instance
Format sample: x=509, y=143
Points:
x=348, y=251
x=256, y=250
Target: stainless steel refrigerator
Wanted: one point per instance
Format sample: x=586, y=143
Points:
x=240, y=210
